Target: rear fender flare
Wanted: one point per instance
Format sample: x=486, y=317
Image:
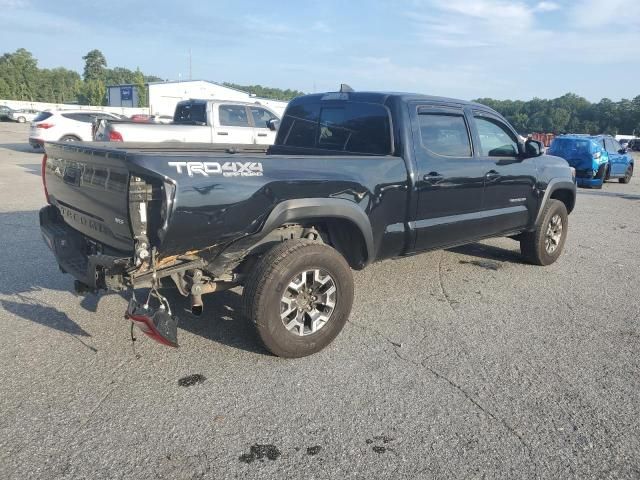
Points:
x=292, y=211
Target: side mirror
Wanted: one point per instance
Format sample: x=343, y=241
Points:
x=533, y=148
x=273, y=124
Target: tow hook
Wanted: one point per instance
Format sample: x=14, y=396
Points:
x=158, y=324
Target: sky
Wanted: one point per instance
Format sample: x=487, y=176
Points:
x=456, y=48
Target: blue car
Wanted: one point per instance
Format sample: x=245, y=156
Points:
x=595, y=158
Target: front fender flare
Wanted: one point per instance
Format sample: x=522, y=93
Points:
x=554, y=185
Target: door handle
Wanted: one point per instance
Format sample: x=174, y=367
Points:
x=223, y=133
x=262, y=134
x=433, y=177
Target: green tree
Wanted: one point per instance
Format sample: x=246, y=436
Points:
x=94, y=65
x=141, y=89
x=93, y=92
x=266, y=92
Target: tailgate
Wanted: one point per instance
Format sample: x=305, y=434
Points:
x=90, y=188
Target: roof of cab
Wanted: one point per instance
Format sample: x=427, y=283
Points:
x=382, y=97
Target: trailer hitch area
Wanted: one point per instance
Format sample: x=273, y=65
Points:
x=157, y=324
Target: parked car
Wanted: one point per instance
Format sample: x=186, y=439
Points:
x=65, y=126
x=201, y=121
x=164, y=119
x=595, y=158
x=23, y=115
x=353, y=178
x=634, y=145
x=5, y=112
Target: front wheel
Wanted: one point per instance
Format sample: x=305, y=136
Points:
x=627, y=176
x=544, y=245
x=299, y=296
x=21, y=119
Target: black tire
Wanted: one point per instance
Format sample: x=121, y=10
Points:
x=69, y=138
x=21, y=120
x=533, y=245
x=271, y=278
x=627, y=176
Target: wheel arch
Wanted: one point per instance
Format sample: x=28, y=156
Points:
x=346, y=224
x=558, y=189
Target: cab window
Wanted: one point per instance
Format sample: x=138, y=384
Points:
x=445, y=134
x=261, y=116
x=233, y=116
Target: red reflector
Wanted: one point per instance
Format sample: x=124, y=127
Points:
x=44, y=125
x=115, y=136
x=44, y=179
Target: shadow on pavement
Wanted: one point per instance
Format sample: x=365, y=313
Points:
x=43, y=314
x=626, y=196
x=20, y=147
x=33, y=168
x=222, y=320
x=489, y=252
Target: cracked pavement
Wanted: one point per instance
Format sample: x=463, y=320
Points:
x=464, y=363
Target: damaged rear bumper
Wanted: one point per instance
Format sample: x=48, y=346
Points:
x=94, y=266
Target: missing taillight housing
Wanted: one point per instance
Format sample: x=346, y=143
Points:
x=115, y=136
x=44, y=178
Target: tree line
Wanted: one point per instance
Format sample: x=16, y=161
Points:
x=570, y=114
x=22, y=79
x=266, y=92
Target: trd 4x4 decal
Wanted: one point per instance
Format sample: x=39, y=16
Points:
x=227, y=169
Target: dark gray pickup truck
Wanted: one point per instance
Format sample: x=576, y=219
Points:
x=353, y=178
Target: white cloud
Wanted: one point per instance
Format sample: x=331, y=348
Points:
x=546, y=7
x=601, y=13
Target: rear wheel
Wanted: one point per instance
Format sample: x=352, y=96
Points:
x=544, y=245
x=21, y=119
x=299, y=296
x=69, y=138
x=627, y=176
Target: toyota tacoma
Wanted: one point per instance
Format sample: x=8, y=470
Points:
x=353, y=178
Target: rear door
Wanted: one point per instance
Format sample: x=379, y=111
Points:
x=261, y=133
x=450, y=177
x=509, y=199
x=233, y=125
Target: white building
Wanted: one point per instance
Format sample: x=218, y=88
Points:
x=163, y=96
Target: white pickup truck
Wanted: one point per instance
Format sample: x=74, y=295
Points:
x=200, y=121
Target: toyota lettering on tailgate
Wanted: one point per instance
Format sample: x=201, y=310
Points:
x=226, y=169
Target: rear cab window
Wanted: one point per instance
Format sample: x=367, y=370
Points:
x=338, y=126
x=191, y=114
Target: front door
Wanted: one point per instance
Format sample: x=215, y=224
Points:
x=617, y=161
x=261, y=133
x=510, y=199
x=450, y=178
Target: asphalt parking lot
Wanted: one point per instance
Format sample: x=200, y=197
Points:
x=463, y=363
